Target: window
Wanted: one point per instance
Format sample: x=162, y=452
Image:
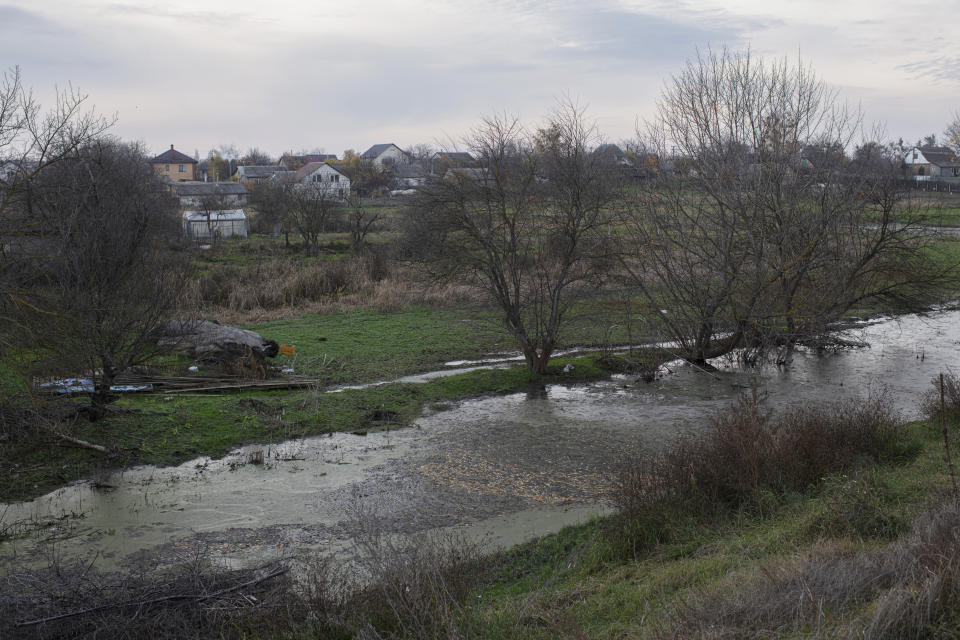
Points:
x=166, y=167
x=335, y=178
x=182, y=169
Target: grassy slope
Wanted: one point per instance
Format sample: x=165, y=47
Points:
x=571, y=585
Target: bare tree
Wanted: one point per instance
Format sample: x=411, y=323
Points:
x=523, y=225
x=273, y=200
x=314, y=209
x=420, y=153
x=210, y=206
x=772, y=233
x=951, y=135
x=366, y=178
x=107, y=275
x=256, y=157
x=31, y=140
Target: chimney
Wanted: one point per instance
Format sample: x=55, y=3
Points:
x=171, y=147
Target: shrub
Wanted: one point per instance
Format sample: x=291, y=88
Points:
x=418, y=585
x=746, y=454
x=930, y=404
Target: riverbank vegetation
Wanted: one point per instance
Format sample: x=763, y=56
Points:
x=854, y=536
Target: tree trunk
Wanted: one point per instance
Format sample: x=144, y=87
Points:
x=537, y=361
x=100, y=397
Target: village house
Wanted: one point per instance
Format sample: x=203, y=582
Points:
x=932, y=161
x=255, y=174
x=175, y=165
x=385, y=154
x=324, y=177
x=193, y=194
x=406, y=176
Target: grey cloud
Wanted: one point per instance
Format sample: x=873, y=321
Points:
x=163, y=11
x=630, y=37
x=941, y=68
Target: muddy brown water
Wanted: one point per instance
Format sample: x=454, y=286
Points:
x=508, y=467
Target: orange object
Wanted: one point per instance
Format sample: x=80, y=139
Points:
x=288, y=349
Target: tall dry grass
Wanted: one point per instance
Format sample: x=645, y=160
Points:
x=911, y=589
x=280, y=288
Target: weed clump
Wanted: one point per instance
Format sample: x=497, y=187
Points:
x=861, y=507
x=748, y=455
x=930, y=403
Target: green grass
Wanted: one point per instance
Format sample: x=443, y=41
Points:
x=945, y=217
x=569, y=585
x=362, y=345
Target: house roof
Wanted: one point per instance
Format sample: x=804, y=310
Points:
x=377, y=149
x=209, y=188
x=283, y=174
x=172, y=156
x=309, y=168
x=257, y=171
x=940, y=156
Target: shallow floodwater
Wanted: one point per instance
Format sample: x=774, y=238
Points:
x=509, y=467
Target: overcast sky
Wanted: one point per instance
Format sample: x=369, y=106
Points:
x=316, y=74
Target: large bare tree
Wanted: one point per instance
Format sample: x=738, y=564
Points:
x=107, y=272
x=31, y=140
x=524, y=224
x=763, y=231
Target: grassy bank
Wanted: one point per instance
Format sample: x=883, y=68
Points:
x=719, y=576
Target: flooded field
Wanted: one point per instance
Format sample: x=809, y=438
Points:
x=506, y=467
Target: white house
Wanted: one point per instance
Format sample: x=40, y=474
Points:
x=933, y=161
x=321, y=175
x=389, y=153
